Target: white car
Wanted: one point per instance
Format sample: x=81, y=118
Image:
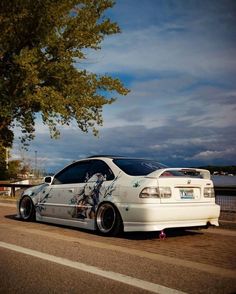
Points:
x=113, y=194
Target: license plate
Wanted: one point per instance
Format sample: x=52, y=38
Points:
x=186, y=194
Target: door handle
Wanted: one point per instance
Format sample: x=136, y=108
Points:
x=71, y=190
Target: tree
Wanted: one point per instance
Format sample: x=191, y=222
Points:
x=3, y=167
x=42, y=44
x=14, y=169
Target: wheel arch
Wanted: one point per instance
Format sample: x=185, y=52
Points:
x=113, y=204
x=116, y=211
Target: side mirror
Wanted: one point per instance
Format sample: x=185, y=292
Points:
x=48, y=180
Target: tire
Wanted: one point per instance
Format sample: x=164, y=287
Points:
x=26, y=209
x=108, y=220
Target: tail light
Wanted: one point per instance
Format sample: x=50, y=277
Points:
x=150, y=192
x=155, y=192
x=209, y=192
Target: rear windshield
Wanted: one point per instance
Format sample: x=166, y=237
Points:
x=138, y=167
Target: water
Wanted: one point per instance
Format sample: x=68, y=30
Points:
x=224, y=180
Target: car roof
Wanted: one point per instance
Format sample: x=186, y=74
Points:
x=115, y=157
x=107, y=156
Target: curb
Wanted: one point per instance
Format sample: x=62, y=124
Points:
x=230, y=225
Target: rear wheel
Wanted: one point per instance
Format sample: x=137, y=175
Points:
x=108, y=220
x=26, y=208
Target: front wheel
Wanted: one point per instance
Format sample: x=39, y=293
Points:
x=26, y=208
x=108, y=220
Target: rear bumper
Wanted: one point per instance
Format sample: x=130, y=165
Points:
x=146, y=217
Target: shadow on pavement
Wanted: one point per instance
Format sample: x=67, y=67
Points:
x=170, y=233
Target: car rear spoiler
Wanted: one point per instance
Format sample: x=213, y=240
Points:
x=205, y=174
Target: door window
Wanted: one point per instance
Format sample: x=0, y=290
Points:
x=75, y=173
x=100, y=167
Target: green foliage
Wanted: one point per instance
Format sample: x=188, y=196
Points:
x=3, y=168
x=42, y=44
x=14, y=168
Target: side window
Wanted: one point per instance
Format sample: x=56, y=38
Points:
x=75, y=173
x=100, y=167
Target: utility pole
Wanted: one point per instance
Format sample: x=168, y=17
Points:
x=7, y=157
x=35, y=163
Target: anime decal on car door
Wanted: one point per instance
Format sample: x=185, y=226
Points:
x=93, y=192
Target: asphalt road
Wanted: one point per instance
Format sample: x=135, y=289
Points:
x=43, y=258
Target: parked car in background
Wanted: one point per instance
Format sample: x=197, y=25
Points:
x=114, y=194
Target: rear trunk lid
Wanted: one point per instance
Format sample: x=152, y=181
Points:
x=186, y=185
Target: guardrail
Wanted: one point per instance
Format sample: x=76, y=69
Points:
x=14, y=187
x=225, y=190
x=226, y=198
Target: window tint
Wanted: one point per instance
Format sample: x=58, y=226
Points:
x=173, y=173
x=100, y=167
x=138, y=167
x=75, y=173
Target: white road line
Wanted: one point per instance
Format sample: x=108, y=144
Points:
x=155, y=288
x=193, y=265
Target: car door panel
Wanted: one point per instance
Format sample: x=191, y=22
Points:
x=91, y=183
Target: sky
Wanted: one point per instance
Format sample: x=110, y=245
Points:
x=178, y=60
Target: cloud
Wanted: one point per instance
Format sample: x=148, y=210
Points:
x=183, y=124
x=163, y=102
x=175, y=145
x=192, y=47
x=212, y=155
x=178, y=59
